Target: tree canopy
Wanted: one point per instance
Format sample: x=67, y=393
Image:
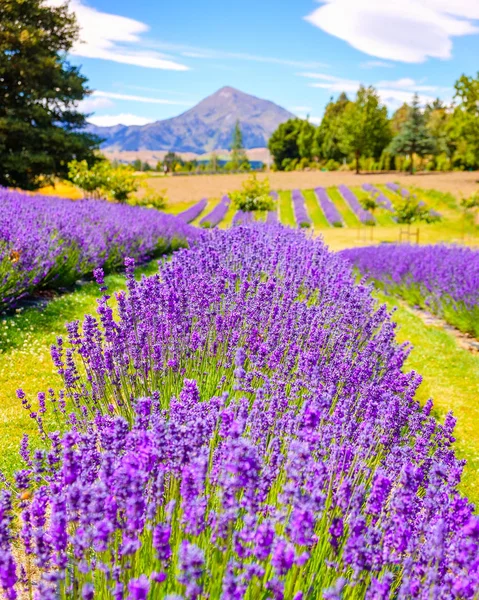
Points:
x=414, y=137
x=40, y=126
x=365, y=127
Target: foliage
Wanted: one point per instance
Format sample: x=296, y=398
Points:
x=327, y=137
x=40, y=126
x=253, y=195
x=103, y=179
x=150, y=197
x=370, y=203
x=283, y=144
x=364, y=126
x=414, y=137
x=465, y=122
x=409, y=209
x=239, y=161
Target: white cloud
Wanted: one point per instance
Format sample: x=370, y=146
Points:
x=115, y=38
x=392, y=93
x=143, y=99
x=407, y=31
x=121, y=119
x=90, y=104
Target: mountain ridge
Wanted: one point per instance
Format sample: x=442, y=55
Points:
x=205, y=127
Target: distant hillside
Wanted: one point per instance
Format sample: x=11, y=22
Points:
x=205, y=127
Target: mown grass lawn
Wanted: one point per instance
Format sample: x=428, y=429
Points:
x=285, y=208
x=450, y=377
x=314, y=210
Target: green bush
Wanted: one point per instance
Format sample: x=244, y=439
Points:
x=254, y=195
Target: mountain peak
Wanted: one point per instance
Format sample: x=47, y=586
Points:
x=207, y=126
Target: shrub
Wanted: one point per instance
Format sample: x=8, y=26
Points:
x=254, y=195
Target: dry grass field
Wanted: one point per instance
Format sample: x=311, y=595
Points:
x=187, y=188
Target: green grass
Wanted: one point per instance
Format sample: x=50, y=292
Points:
x=314, y=210
x=25, y=340
x=347, y=214
x=450, y=377
x=178, y=207
x=285, y=207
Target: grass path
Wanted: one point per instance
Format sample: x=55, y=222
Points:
x=285, y=208
x=450, y=377
x=314, y=210
x=25, y=340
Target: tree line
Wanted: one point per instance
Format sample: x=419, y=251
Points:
x=359, y=134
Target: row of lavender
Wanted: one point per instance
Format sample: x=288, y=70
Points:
x=302, y=218
x=242, y=429
x=443, y=279
x=46, y=241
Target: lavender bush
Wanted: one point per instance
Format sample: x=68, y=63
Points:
x=242, y=428
x=192, y=213
x=363, y=215
x=272, y=216
x=443, y=279
x=47, y=241
x=380, y=197
x=218, y=213
x=242, y=217
x=300, y=212
x=330, y=211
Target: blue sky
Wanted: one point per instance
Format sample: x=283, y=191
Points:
x=148, y=60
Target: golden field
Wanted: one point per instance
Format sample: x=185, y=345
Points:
x=187, y=188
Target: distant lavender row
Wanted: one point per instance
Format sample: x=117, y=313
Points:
x=394, y=187
x=330, y=211
x=445, y=279
x=380, y=197
x=242, y=218
x=218, y=213
x=192, y=213
x=363, y=215
x=51, y=242
x=300, y=212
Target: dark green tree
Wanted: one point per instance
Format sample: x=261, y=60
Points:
x=239, y=160
x=414, y=138
x=365, y=129
x=283, y=144
x=137, y=164
x=326, y=140
x=40, y=126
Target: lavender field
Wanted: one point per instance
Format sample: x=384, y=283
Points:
x=241, y=424
x=240, y=427
x=52, y=242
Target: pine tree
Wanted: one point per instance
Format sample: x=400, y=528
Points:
x=40, y=126
x=414, y=137
x=238, y=155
